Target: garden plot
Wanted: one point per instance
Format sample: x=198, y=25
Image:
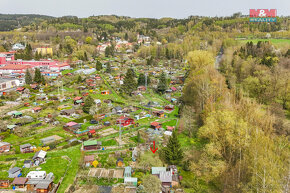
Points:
x=107, y=132
x=106, y=173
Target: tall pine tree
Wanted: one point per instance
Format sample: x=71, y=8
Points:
x=99, y=66
x=28, y=78
x=141, y=80
x=130, y=83
x=162, y=84
x=88, y=103
x=37, y=76
x=173, y=152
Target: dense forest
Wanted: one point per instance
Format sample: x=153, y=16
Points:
x=13, y=21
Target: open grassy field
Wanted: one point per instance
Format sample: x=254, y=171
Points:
x=275, y=42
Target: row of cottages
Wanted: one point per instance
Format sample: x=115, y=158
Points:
x=168, y=177
x=92, y=145
x=125, y=121
x=35, y=181
x=4, y=147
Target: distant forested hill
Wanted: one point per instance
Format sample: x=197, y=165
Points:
x=12, y=21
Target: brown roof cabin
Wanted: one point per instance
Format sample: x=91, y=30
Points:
x=44, y=186
x=4, y=183
x=67, y=112
x=19, y=182
x=88, y=160
x=158, y=113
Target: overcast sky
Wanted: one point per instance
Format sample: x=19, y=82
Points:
x=141, y=8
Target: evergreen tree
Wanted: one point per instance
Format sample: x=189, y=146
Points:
x=89, y=102
x=37, y=76
x=126, y=36
x=162, y=84
x=99, y=66
x=173, y=152
x=138, y=137
x=43, y=81
x=108, y=68
x=79, y=79
x=107, y=51
x=86, y=57
x=141, y=80
x=130, y=83
x=28, y=78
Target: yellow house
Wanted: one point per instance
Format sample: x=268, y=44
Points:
x=44, y=51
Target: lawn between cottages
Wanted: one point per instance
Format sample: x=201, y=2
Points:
x=60, y=163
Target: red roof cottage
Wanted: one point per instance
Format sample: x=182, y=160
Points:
x=169, y=107
x=4, y=147
x=155, y=125
x=125, y=121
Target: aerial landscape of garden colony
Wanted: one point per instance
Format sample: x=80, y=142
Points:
x=86, y=102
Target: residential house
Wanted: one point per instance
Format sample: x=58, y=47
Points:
x=28, y=163
x=125, y=121
x=19, y=182
x=39, y=157
x=92, y=145
x=88, y=160
x=155, y=125
x=14, y=172
x=4, y=147
x=26, y=148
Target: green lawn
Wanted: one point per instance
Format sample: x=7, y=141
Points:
x=273, y=41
